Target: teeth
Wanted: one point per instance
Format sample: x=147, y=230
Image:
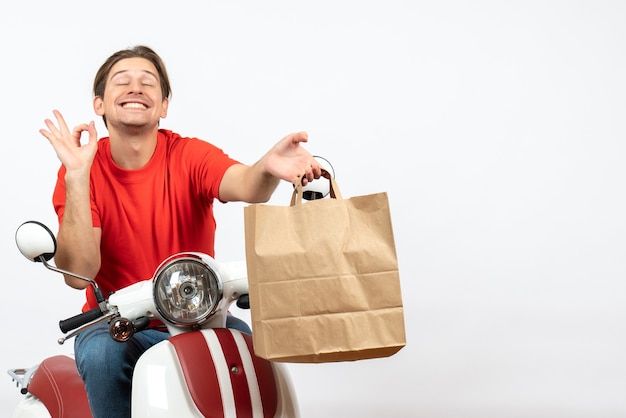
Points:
x=133, y=106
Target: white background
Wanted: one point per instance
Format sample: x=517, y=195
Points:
x=497, y=128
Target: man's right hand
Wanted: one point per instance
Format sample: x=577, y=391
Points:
x=67, y=145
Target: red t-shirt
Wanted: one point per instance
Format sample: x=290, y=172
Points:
x=148, y=214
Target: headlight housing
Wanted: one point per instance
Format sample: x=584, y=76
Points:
x=187, y=289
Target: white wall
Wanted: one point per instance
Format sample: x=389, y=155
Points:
x=497, y=128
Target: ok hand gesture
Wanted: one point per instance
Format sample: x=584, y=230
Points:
x=66, y=143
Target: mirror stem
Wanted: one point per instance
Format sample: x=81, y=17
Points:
x=96, y=289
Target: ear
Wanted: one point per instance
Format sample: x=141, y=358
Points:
x=98, y=106
x=166, y=102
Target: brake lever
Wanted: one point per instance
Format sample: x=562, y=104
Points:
x=78, y=330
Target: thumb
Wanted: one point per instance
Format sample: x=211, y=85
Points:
x=298, y=137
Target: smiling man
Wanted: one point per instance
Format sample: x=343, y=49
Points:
x=128, y=201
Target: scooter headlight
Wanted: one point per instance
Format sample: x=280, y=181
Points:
x=187, y=289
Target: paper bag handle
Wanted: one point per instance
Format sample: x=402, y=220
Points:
x=296, y=196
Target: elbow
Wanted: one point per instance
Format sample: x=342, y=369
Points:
x=75, y=282
x=78, y=267
x=261, y=199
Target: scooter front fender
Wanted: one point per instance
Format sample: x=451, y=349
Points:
x=212, y=372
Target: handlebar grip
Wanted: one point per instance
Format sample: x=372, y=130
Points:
x=243, y=302
x=80, y=319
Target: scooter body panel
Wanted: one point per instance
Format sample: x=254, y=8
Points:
x=159, y=386
x=30, y=407
x=209, y=373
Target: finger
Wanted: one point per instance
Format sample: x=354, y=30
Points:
x=317, y=169
x=62, y=125
x=298, y=178
x=308, y=175
x=52, y=127
x=93, y=134
x=46, y=134
x=78, y=131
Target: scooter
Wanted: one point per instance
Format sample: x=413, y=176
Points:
x=203, y=370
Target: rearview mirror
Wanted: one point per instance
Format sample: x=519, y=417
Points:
x=35, y=241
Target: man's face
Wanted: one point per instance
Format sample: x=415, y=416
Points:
x=132, y=97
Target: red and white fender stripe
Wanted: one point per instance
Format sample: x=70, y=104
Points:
x=225, y=375
x=217, y=346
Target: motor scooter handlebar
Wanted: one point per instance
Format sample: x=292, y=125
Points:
x=80, y=319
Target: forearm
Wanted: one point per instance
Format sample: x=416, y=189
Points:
x=77, y=244
x=286, y=160
x=261, y=183
x=252, y=184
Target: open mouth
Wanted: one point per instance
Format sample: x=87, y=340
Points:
x=133, y=105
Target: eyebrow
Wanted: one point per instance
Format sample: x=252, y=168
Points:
x=125, y=71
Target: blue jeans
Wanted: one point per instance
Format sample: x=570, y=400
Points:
x=106, y=366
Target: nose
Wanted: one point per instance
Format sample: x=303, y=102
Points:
x=136, y=87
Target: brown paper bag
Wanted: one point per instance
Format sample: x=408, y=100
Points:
x=323, y=279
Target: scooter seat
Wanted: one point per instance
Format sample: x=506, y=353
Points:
x=58, y=385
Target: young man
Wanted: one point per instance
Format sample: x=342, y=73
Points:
x=129, y=200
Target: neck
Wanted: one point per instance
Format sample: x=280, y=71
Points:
x=132, y=151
